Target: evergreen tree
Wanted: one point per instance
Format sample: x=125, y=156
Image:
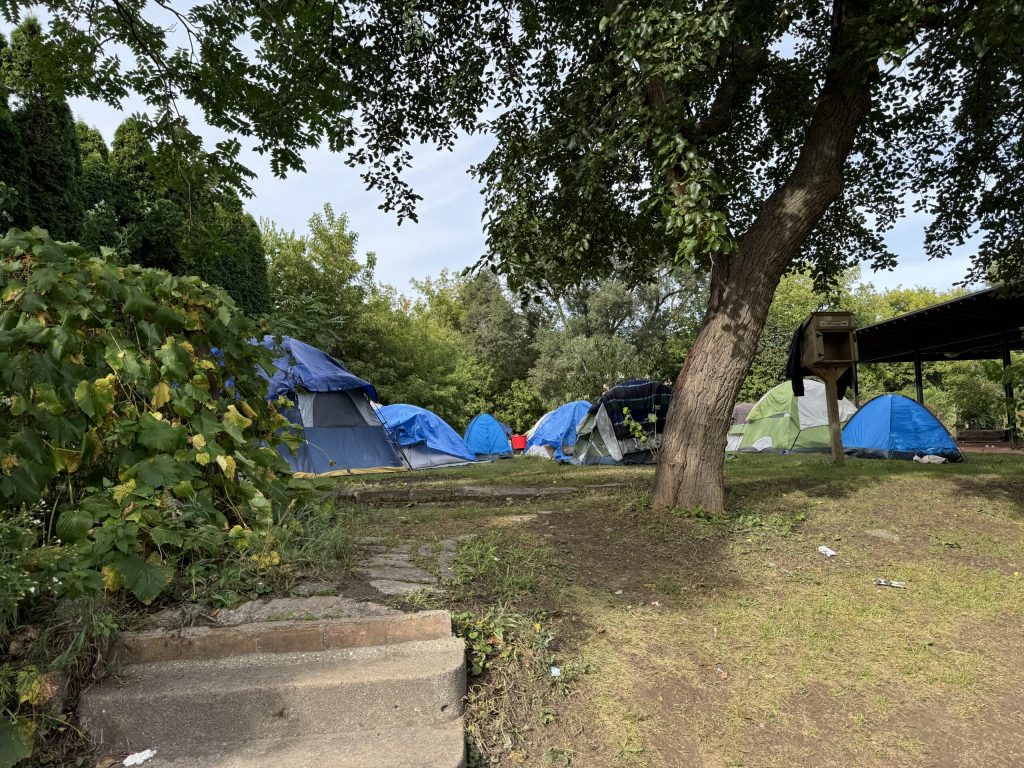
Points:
x=47, y=130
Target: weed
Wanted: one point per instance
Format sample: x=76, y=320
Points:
x=487, y=637
x=501, y=568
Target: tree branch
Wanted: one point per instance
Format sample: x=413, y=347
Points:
x=747, y=63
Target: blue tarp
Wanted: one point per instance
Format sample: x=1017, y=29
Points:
x=558, y=427
x=486, y=436
x=311, y=369
x=340, y=429
x=411, y=425
x=896, y=427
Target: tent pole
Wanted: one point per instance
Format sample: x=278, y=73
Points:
x=918, y=379
x=1011, y=407
x=856, y=387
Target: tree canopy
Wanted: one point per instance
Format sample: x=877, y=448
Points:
x=133, y=199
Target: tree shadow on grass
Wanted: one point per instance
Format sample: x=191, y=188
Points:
x=763, y=482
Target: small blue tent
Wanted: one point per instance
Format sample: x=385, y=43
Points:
x=341, y=432
x=425, y=438
x=488, y=437
x=555, y=431
x=896, y=427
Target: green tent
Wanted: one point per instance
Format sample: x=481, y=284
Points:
x=783, y=422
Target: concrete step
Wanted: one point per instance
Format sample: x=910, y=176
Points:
x=433, y=746
x=277, y=696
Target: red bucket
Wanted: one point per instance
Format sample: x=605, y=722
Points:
x=518, y=442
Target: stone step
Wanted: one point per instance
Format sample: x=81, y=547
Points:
x=193, y=643
x=433, y=746
x=273, y=696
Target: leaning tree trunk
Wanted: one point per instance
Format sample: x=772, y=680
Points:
x=690, y=470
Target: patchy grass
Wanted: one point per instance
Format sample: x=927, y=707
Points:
x=696, y=640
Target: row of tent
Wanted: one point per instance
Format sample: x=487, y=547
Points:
x=345, y=429
x=888, y=426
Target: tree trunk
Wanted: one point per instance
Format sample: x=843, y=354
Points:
x=690, y=470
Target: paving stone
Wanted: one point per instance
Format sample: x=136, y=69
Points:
x=410, y=573
x=284, y=608
x=390, y=587
x=388, y=561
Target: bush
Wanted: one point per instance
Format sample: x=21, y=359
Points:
x=135, y=438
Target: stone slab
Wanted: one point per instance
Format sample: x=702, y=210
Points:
x=196, y=643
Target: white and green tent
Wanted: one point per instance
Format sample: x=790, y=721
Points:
x=782, y=421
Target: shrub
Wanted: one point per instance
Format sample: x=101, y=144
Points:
x=135, y=438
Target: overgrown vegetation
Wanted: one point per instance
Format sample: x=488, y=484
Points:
x=137, y=455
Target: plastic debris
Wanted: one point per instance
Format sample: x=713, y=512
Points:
x=826, y=551
x=929, y=459
x=556, y=672
x=618, y=591
x=890, y=583
x=139, y=758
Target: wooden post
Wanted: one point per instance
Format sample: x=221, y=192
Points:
x=828, y=350
x=918, y=377
x=830, y=376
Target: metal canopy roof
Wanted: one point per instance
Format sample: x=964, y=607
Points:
x=968, y=328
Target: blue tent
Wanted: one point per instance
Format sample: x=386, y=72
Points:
x=486, y=436
x=340, y=431
x=896, y=427
x=301, y=365
x=425, y=438
x=556, y=430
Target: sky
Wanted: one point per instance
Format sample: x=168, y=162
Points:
x=449, y=233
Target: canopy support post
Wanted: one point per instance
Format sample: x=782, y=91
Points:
x=918, y=378
x=1011, y=406
x=856, y=387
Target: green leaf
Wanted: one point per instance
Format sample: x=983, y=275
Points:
x=174, y=360
x=158, y=471
x=95, y=398
x=163, y=537
x=74, y=524
x=145, y=579
x=13, y=747
x=159, y=435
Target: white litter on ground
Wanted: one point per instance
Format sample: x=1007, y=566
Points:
x=139, y=758
x=826, y=551
x=890, y=583
x=556, y=672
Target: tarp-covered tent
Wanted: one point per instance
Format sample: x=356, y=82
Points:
x=487, y=437
x=554, y=434
x=896, y=427
x=341, y=432
x=425, y=438
x=780, y=421
x=604, y=437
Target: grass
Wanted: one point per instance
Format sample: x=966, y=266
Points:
x=727, y=640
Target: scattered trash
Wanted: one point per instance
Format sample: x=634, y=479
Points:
x=656, y=604
x=721, y=672
x=929, y=459
x=618, y=591
x=139, y=757
x=890, y=583
x=556, y=672
x=826, y=551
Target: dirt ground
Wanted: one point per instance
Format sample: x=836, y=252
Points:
x=730, y=641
